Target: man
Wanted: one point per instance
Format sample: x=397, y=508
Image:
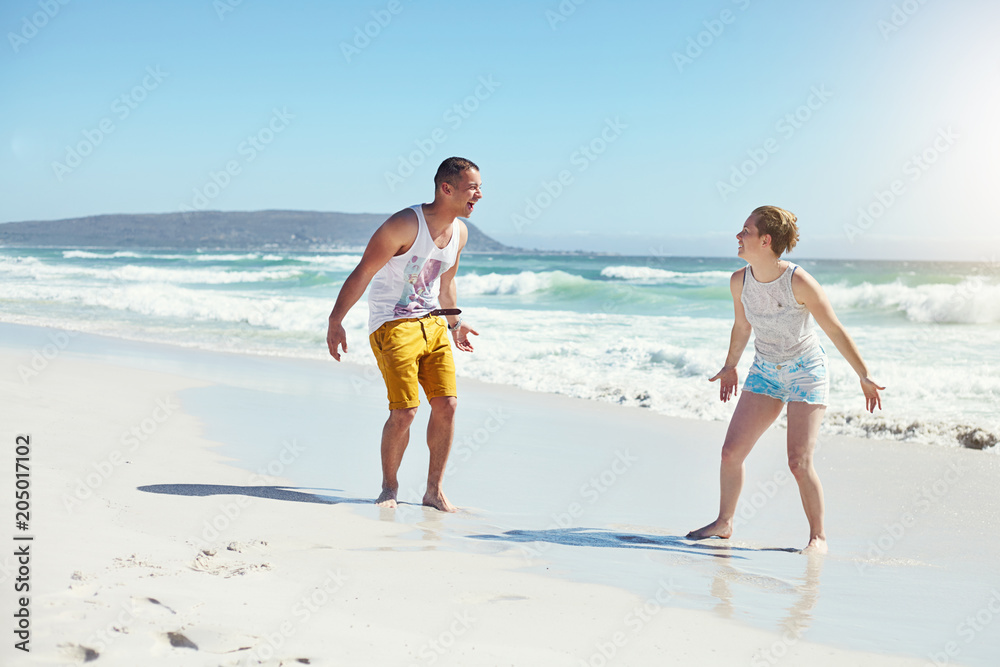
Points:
x=413, y=259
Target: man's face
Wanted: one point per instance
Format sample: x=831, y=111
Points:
x=467, y=190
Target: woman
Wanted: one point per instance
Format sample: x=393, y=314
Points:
x=774, y=298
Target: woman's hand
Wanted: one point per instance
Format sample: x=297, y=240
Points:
x=729, y=379
x=872, y=399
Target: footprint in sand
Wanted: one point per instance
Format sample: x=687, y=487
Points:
x=238, y=547
x=209, y=561
x=78, y=652
x=138, y=602
x=177, y=640
x=218, y=640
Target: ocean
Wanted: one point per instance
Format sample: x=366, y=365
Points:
x=642, y=332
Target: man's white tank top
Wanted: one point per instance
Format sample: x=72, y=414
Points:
x=783, y=328
x=409, y=284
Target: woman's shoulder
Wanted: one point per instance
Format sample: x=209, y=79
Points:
x=800, y=275
x=736, y=283
x=804, y=285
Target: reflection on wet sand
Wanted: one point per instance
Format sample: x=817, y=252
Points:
x=798, y=617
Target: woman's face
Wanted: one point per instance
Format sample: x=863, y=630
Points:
x=751, y=243
x=747, y=235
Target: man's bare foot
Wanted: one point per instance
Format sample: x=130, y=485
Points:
x=387, y=499
x=717, y=528
x=438, y=501
x=817, y=545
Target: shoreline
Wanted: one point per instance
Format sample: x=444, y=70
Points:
x=898, y=429
x=600, y=563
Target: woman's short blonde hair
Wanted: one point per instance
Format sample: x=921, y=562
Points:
x=780, y=224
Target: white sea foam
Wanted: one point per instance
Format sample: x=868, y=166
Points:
x=145, y=274
x=332, y=262
x=85, y=254
x=974, y=300
x=174, y=305
x=653, y=276
x=525, y=282
x=201, y=257
x=943, y=381
x=33, y=268
x=660, y=363
x=225, y=257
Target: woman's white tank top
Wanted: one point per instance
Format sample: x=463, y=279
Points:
x=783, y=328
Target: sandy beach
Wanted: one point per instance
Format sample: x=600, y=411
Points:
x=202, y=198
x=193, y=508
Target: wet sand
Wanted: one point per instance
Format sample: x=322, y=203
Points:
x=216, y=509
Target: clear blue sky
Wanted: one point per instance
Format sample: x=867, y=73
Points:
x=676, y=132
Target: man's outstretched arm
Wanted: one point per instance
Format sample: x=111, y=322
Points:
x=449, y=297
x=395, y=234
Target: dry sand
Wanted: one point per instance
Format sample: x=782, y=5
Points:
x=156, y=549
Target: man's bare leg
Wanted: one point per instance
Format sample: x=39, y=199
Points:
x=440, y=433
x=395, y=438
x=754, y=413
x=803, y=431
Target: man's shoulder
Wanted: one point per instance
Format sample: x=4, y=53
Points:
x=402, y=224
x=406, y=216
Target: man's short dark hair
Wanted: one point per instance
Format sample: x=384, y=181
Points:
x=451, y=169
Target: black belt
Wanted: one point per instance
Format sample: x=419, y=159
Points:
x=444, y=311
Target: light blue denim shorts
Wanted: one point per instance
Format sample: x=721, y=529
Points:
x=802, y=380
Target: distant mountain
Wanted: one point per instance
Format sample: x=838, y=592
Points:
x=215, y=230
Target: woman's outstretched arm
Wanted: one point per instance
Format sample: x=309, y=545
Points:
x=738, y=340
x=808, y=291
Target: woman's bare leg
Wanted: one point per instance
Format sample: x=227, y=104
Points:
x=803, y=431
x=754, y=414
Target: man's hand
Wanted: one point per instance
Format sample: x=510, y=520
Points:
x=336, y=337
x=461, y=334
x=729, y=379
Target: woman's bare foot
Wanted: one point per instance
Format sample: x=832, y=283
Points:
x=387, y=499
x=717, y=528
x=817, y=545
x=438, y=501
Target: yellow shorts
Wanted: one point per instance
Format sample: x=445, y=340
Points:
x=412, y=351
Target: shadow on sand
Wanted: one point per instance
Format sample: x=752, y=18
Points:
x=573, y=537
x=594, y=537
x=272, y=492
